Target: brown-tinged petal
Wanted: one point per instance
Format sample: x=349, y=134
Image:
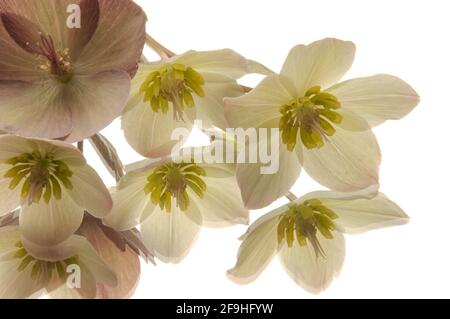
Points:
x=125, y=264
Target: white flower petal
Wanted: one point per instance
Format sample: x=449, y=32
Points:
x=50, y=224
x=9, y=199
x=359, y=215
x=260, y=107
x=322, y=63
x=259, y=190
x=9, y=236
x=89, y=191
x=17, y=284
x=376, y=98
x=222, y=204
x=226, y=62
x=256, y=252
x=210, y=108
x=130, y=202
x=171, y=235
x=150, y=133
x=348, y=161
x=308, y=270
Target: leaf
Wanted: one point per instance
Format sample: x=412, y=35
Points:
x=108, y=155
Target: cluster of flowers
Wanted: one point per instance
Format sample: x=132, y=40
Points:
x=60, y=86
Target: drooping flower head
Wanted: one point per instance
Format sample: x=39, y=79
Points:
x=175, y=91
x=172, y=200
x=27, y=270
x=63, y=81
x=53, y=186
x=324, y=127
x=307, y=235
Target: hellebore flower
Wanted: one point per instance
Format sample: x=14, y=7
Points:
x=61, y=82
x=116, y=251
x=53, y=186
x=26, y=270
x=307, y=235
x=175, y=91
x=324, y=127
x=172, y=200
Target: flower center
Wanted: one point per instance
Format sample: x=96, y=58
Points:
x=174, y=83
x=309, y=117
x=40, y=268
x=43, y=176
x=302, y=222
x=173, y=181
x=57, y=62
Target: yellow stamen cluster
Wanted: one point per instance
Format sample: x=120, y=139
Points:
x=43, y=270
x=309, y=117
x=173, y=83
x=42, y=176
x=173, y=181
x=302, y=222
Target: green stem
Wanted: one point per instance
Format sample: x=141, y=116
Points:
x=291, y=196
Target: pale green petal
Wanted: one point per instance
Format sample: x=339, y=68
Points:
x=89, y=191
x=377, y=98
x=172, y=235
x=15, y=284
x=260, y=107
x=259, y=190
x=50, y=224
x=348, y=161
x=150, y=133
x=256, y=252
x=222, y=204
x=364, y=214
x=314, y=273
x=130, y=202
x=321, y=63
x=225, y=62
x=9, y=199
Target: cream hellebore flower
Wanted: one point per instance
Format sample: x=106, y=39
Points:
x=58, y=81
x=172, y=200
x=52, y=184
x=307, y=235
x=324, y=126
x=27, y=270
x=175, y=91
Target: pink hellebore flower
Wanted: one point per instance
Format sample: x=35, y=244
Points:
x=65, y=81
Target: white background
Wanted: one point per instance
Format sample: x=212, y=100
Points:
x=409, y=39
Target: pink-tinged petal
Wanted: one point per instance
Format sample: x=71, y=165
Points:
x=125, y=264
x=95, y=101
x=50, y=224
x=34, y=109
x=23, y=31
x=89, y=191
x=118, y=41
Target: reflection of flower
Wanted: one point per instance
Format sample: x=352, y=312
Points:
x=324, y=127
x=173, y=200
x=27, y=269
x=58, y=82
x=307, y=235
x=176, y=91
x=53, y=185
